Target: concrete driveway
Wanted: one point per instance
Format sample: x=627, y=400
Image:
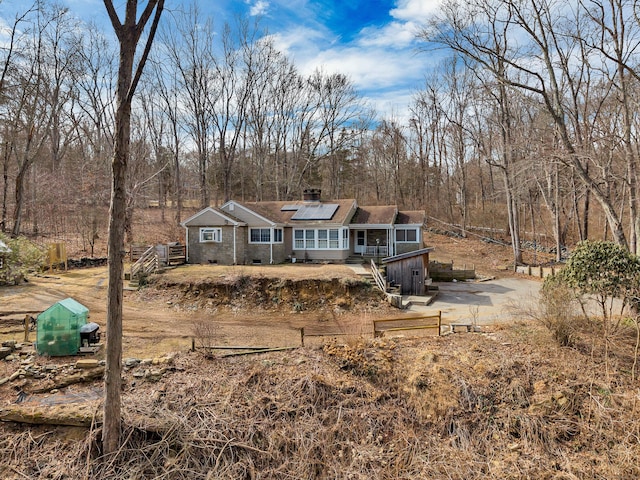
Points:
x=488, y=301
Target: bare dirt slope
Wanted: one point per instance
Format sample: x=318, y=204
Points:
x=233, y=305
x=255, y=305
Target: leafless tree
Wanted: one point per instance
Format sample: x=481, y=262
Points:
x=128, y=33
x=190, y=52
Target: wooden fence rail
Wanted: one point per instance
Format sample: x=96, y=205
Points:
x=419, y=322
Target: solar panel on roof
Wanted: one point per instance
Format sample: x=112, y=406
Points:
x=289, y=208
x=322, y=211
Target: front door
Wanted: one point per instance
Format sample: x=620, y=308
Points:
x=416, y=282
x=361, y=242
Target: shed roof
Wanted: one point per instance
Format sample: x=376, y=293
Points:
x=403, y=256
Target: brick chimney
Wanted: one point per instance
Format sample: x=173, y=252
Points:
x=311, y=195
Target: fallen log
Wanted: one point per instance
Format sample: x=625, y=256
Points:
x=71, y=415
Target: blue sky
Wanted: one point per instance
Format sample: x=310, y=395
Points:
x=371, y=41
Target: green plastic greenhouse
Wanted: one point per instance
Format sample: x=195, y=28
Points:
x=59, y=328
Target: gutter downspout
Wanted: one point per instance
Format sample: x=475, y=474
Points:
x=186, y=237
x=271, y=236
x=235, y=259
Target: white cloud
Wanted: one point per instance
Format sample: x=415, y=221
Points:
x=414, y=10
x=368, y=69
x=382, y=62
x=299, y=42
x=259, y=8
x=392, y=35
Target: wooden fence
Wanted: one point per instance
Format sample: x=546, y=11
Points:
x=398, y=324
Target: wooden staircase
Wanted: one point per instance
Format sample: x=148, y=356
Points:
x=145, y=265
x=393, y=296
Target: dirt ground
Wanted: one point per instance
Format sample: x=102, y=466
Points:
x=507, y=403
x=157, y=320
x=165, y=317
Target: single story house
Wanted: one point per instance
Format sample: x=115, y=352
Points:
x=309, y=229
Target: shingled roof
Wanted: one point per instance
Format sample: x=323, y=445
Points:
x=375, y=215
x=274, y=211
x=410, y=217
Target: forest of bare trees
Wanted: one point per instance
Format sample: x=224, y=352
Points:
x=528, y=124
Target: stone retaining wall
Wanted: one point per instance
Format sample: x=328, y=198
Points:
x=537, y=271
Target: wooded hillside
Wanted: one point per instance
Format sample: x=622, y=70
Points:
x=527, y=125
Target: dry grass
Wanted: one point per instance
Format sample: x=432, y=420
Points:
x=231, y=273
x=509, y=404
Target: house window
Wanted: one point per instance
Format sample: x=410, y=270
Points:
x=210, y=235
x=406, y=235
x=334, y=238
x=309, y=239
x=321, y=239
x=263, y=235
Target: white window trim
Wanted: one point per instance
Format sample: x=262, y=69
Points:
x=343, y=239
x=217, y=234
x=272, y=232
x=395, y=236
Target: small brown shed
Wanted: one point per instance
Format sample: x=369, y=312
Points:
x=409, y=270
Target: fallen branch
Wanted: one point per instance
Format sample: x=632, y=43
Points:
x=72, y=415
x=280, y=349
x=234, y=348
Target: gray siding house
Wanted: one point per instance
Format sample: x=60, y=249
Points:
x=304, y=230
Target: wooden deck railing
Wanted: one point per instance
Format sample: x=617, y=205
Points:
x=377, y=277
x=176, y=254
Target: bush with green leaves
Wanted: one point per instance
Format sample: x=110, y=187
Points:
x=604, y=271
x=24, y=257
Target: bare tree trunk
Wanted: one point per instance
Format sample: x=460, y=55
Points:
x=5, y=187
x=128, y=34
